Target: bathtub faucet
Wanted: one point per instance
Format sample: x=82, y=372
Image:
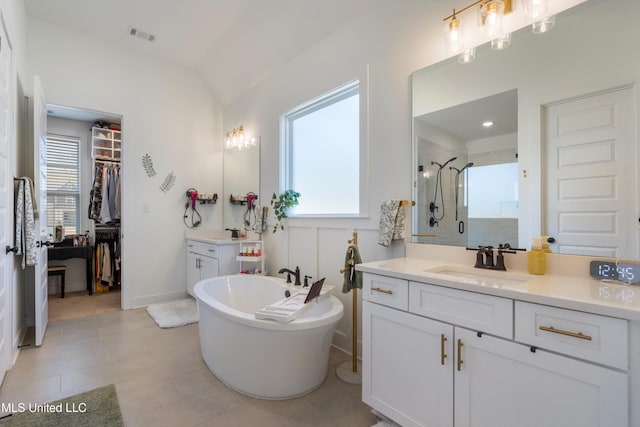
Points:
x=289, y=273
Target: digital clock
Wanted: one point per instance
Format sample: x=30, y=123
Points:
x=627, y=273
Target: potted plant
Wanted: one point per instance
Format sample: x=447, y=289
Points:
x=280, y=205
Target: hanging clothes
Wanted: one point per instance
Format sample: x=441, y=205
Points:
x=105, y=215
x=107, y=259
x=117, y=210
x=104, y=199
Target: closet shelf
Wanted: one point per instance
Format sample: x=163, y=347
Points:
x=105, y=144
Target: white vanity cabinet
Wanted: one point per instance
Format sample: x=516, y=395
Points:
x=206, y=260
x=407, y=366
x=454, y=357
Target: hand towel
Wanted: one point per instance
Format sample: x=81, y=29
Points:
x=25, y=227
x=392, y=218
x=352, y=278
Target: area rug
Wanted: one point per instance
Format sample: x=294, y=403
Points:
x=383, y=421
x=174, y=313
x=97, y=407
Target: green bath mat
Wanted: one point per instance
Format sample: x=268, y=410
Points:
x=97, y=407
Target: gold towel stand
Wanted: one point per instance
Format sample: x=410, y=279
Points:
x=352, y=376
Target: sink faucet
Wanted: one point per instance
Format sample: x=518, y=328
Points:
x=484, y=256
x=295, y=273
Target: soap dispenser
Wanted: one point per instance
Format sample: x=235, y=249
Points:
x=536, y=258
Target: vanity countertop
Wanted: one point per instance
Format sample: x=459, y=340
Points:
x=215, y=237
x=571, y=292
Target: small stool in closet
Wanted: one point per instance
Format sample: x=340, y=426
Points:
x=58, y=270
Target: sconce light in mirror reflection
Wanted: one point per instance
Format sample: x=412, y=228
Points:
x=236, y=138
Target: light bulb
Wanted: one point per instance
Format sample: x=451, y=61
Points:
x=544, y=25
x=535, y=10
x=491, y=14
x=501, y=42
x=453, y=36
x=467, y=56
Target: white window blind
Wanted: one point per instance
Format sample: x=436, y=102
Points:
x=63, y=183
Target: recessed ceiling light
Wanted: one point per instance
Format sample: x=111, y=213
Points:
x=487, y=124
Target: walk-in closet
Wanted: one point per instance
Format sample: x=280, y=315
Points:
x=84, y=212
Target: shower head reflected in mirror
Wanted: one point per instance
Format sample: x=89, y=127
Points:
x=459, y=171
x=440, y=167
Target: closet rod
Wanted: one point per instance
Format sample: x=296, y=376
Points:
x=111, y=162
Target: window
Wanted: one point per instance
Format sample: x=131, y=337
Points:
x=495, y=191
x=321, y=153
x=63, y=183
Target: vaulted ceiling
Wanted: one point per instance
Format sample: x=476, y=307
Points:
x=232, y=44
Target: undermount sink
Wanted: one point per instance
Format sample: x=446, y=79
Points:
x=480, y=277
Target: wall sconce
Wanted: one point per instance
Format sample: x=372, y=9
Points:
x=237, y=139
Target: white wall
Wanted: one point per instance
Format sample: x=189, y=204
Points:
x=382, y=48
x=168, y=113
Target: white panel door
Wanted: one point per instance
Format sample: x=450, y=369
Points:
x=6, y=204
x=407, y=366
x=40, y=183
x=590, y=174
x=502, y=383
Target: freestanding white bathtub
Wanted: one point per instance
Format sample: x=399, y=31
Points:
x=263, y=358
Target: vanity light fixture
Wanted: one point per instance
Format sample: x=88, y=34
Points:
x=237, y=139
x=490, y=15
x=487, y=124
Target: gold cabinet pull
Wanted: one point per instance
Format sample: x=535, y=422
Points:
x=460, y=362
x=384, y=291
x=579, y=335
x=443, y=355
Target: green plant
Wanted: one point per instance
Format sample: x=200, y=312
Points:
x=280, y=205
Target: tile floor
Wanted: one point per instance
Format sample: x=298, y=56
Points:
x=161, y=379
x=81, y=304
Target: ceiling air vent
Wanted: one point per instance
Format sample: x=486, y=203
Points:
x=141, y=34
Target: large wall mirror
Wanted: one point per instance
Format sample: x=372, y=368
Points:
x=561, y=155
x=241, y=177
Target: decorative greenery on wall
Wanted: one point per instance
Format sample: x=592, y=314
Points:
x=169, y=180
x=147, y=164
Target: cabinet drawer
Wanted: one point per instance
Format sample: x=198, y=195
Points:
x=481, y=313
x=202, y=248
x=386, y=291
x=587, y=336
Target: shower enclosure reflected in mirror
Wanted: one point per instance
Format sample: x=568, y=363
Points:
x=468, y=172
x=241, y=176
